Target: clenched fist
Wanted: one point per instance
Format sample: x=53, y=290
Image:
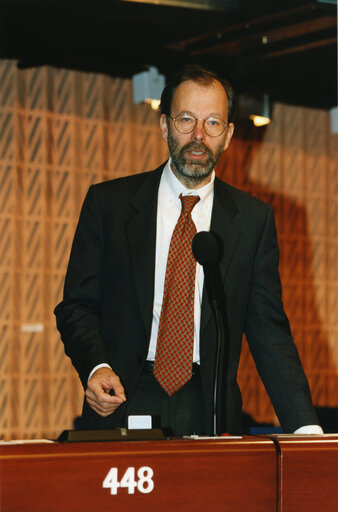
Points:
x=98, y=388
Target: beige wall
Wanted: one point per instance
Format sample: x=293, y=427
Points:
x=62, y=130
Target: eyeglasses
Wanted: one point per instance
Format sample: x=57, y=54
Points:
x=186, y=123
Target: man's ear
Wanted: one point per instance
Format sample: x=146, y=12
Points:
x=164, y=127
x=230, y=132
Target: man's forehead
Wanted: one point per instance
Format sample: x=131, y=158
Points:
x=196, y=84
x=192, y=94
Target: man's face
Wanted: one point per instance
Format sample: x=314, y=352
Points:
x=194, y=155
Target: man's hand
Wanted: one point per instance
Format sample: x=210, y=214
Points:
x=97, y=393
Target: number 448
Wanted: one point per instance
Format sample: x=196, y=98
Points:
x=144, y=482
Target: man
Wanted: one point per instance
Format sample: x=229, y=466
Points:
x=114, y=316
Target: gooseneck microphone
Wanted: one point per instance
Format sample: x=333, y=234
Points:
x=206, y=252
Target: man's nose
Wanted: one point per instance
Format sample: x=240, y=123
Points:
x=199, y=132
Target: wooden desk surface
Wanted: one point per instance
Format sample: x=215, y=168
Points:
x=200, y=475
x=308, y=473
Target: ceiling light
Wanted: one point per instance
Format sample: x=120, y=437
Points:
x=255, y=107
x=259, y=120
x=334, y=119
x=148, y=86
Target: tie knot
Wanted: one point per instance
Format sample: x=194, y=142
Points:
x=188, y=203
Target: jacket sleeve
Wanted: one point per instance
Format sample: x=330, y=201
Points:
x=270, y=340
x=78, y=316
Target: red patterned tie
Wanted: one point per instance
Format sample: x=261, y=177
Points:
x=175, y=341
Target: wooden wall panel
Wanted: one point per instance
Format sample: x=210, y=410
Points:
x=61, y=131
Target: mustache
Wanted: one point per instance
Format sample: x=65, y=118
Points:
x=196, y=146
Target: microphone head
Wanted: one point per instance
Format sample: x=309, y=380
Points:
x=205, y=248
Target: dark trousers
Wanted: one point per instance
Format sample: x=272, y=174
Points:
x=182, y=414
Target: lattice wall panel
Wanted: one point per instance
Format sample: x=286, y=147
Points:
x=60, y=132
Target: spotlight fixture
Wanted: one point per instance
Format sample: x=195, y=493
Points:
x=148, y=87
x=256, y=107
x=261, y=114
x=334, y=120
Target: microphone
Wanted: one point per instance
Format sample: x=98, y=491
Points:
x=206, y=253
x=205, y=247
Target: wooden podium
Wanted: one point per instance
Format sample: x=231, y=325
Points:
x=308, y=473
x=254, y=474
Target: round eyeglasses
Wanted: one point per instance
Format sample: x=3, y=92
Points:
x=186, y=123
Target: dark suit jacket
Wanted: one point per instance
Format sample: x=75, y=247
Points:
x=106, y=313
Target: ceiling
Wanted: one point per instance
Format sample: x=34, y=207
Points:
x=286, y=48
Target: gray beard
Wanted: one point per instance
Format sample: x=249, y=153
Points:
x=191, y=172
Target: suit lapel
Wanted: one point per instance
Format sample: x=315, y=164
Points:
x=141, y=232
x=222, y=225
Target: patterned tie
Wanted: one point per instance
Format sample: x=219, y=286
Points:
x=175, y=341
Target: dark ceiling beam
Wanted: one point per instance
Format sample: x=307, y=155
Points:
x=278, y=26
x=205, y=5
x=329, y=41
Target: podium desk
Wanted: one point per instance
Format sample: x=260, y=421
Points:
x=221, y=474
x=308, y=473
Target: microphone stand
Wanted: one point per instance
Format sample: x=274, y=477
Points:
x=211, y=289
x=205, y=249
x=217, y=364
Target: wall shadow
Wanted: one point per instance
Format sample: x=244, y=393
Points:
x=299, y=292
